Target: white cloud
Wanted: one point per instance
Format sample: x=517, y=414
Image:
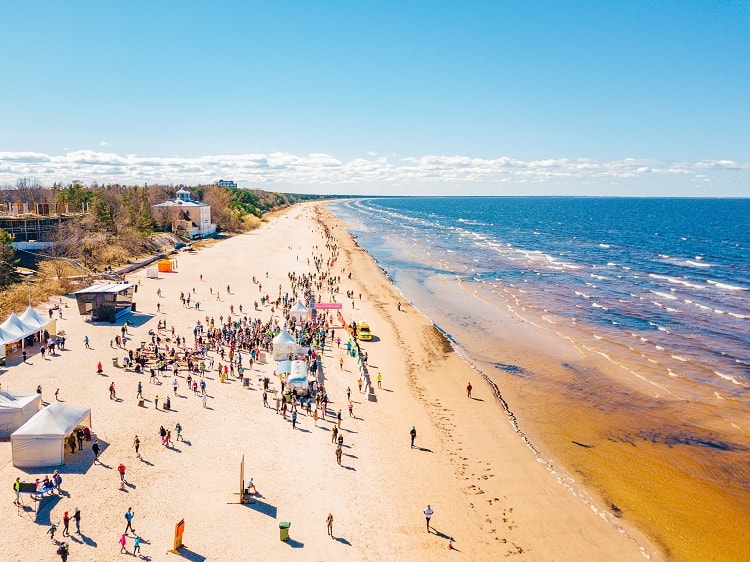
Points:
x=374, y=173
x=103, y=143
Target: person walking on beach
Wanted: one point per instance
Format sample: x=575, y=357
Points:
x=315, y=417
x=156, y=401
x=329, y=524
x=341, y=363
x=338, y=454
x=137, y=445
x=468, y=390
x=178, y=431
x=17, y=490
x=351, y=409
x=86, y=342
x=338, y=418
x=121, y=470
x=63, y=550
x=380, y=379
x=123, y=542
x=96, y=449
x=137, y=545
x=413, y=434
x=428, y=515
x=77, y=519
x=175, y=384
x=139, y=394
x=129, y=518
x=334, y=434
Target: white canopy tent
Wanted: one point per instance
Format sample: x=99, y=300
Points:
x=284, y=345
x=13, y=329
x=16, y=408
x=32, y=319
x=299, y=313
x=41, y=440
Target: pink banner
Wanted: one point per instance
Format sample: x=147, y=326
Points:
x=327, y=306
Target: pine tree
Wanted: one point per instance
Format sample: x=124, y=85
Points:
x=8, y=261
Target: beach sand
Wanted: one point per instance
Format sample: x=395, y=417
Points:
x=486, y=486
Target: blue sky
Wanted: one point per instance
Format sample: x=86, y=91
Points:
x=607, y=98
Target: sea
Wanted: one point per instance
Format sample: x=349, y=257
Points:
x=654, y=292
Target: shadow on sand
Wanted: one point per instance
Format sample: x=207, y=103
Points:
x=262, y=507
x=188, y=554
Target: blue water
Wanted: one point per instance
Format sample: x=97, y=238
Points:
x=664, y=284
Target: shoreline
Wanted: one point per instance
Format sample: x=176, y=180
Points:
x=488, y=491
x=566, y=482
x=586, y=451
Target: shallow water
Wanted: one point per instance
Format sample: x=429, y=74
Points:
x=655, y=291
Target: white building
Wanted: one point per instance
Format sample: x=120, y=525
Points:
x=191, y=217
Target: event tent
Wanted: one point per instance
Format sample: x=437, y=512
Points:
x=284, y=345
x=16, y=408
x=299, y=312
x=17, y=328
x=32, y=319
x=41, y=440
x=13, y=329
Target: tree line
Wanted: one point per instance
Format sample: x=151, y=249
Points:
x=110, y=223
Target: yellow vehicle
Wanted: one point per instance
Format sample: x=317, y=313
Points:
x=363, y=331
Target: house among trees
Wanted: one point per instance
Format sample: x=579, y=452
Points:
x=188, y=217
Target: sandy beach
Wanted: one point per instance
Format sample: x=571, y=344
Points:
x=470, y=464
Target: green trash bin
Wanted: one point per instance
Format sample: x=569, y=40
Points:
x=284, y=530
x=114, y=362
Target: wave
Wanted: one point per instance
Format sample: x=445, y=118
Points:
x=730, y=379
x=725, y=286
x=680, y=358
x=665, y=295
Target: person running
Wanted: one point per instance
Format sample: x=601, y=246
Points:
x=428, y=515
x=413, y=434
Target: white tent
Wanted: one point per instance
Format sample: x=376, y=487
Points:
x=13, y=329
x=284, y=345
x=31, y=319
x=297, y=378
x=299, y=312
x=41, y=440
x=16, y=408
